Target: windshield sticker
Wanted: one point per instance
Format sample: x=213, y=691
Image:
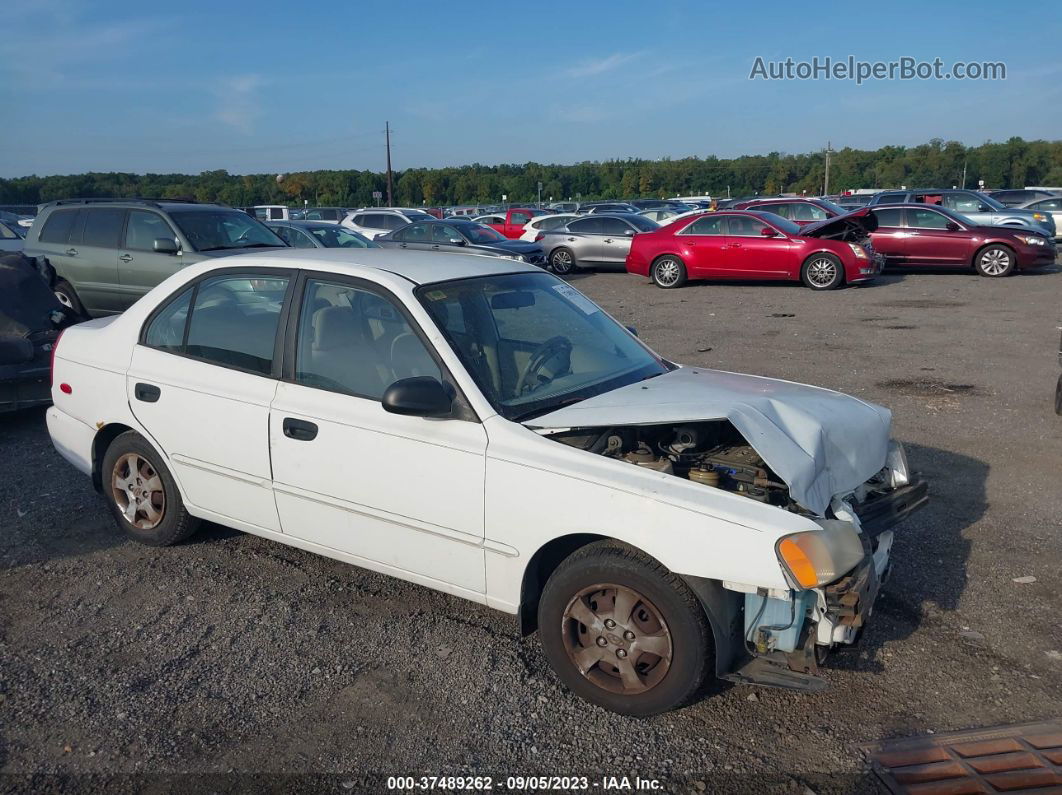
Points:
x=437, y=295
x=575, y=297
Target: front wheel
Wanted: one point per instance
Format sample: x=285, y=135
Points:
x=822, y=272
x=668, y=272
x=623, y=632
x=562, y=261
x=995, y=261
x=142, y=494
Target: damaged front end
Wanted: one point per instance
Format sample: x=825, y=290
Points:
x=773, y=636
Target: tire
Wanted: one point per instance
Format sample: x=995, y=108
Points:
x=64, y=291
x=159, y=516
x=562, y=261
x=664, y=614
x=822, y=272
x=1058, y=397
x=995, y=261
x=668, y=272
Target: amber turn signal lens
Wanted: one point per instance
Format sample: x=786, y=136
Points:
x=799, y=564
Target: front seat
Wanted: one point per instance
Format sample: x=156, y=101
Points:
x=340, y=355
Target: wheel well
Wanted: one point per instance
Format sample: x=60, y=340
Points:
x=104, y=437
x=542, y=564
x=973, y=261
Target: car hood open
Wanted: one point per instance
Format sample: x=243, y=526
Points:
x=861, y=221
x=820, y=442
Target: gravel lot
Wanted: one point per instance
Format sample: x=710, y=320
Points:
x=230, y=662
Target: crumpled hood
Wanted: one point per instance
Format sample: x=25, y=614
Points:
x=819, y=442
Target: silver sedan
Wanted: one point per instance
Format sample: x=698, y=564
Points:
x=1052, y=206
x=593, y=241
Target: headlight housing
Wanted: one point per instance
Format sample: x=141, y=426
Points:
x=1039, y=217
x=859, y=251
x=1033, y=240
x=818, y=557
x=899, y=472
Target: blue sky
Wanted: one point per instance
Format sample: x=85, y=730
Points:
x=110, y=85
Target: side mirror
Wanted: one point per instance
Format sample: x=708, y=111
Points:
x=768, y=232
x=165, y=245
x=420, y=396
x=984, y=208
x=628, y=232
x=456, y=241
x=952, y=226
x=632, y=330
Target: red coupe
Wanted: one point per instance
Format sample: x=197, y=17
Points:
x=761, y=246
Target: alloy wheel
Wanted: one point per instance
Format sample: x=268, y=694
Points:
x=995, y=262
x=138, y=492
x=562, y=261
x=617, y=639
x=667, y=272
x=822, y=272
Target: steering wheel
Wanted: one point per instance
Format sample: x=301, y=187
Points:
x=550, y=349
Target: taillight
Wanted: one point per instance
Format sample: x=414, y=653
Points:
x=539, y=236
x=55, y=347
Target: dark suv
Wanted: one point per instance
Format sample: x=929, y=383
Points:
x=979, y=208
x=108, y=252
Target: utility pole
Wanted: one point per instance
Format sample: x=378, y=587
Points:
x=826, y=185
x=390, y=184
x=963, y=185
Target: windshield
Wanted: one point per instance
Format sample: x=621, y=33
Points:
x=784, y=224
x=643, y=224
x=418, y=216
x=533, y=343
x=215, y=230
x=338, y=237
x=478, y=233
x=833, y=208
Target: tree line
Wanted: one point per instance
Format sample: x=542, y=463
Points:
x=1015, y=163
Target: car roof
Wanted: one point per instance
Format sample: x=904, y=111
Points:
x=419, y=267
x=298, y=222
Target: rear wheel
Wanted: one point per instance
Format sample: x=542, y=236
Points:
x=668, y=272
x=64, y=291
x=822, y=272
x=995, y=261
x=142, y=494
x=623, y=632
x=562, y=261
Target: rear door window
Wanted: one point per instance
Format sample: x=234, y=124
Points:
x=707, y=225
x=103, y=227
x=891, y=217
x=233, y=322
x=586, y=226
x=891, y=198
x=57, y=227
x=805, y=212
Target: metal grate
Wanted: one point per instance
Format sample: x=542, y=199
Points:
x=1020, y=758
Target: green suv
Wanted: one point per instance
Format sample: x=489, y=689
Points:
x=108, y=252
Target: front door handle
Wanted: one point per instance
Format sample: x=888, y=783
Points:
x=735, y=245
x=608, y=239
x=299, y=430
x=71, y=252
x=571, y=239
x=126, y=258
x=402, y=245
x=435, y=247
x=148, y=393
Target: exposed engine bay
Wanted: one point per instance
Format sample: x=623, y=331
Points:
x=711, y=453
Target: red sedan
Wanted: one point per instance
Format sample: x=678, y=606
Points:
x=921, y=235
x=760, y=246
x=798, y=210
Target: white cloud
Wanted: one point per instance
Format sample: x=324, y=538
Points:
x=238, y=105
x=598, y=66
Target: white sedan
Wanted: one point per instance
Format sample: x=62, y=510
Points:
x=543, y=223
x=480, y=427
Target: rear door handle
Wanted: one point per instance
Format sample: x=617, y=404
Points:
x=402, y=245
x=571, y=239
x=299, y=430
x=148, y=393
x=126, y=258
x=71, y=252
